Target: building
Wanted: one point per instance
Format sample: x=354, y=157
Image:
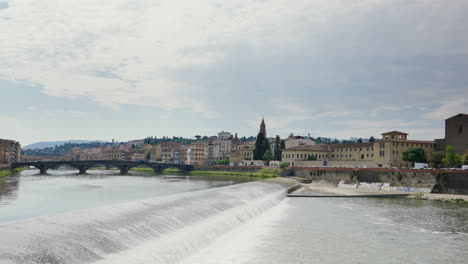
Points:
x=244, y=151
x=197, y=155
x=297, y=141
x=212, y=152
x=456, y=134
x=156, y=153
x=387, y=152
x=303, y=153
x=10, y=151
x=176, y=156
x=223, y=135
x=167, y=151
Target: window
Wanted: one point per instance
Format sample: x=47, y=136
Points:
x=460, y=129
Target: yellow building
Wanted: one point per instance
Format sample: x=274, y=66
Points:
x=386, y=153
x=197, y=154
x=302, y=153
x=244, y=150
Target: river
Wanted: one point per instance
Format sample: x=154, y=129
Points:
x=100, y=218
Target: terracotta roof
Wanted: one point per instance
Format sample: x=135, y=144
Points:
x=306, y=148
x=351, y=145
x=408, y=141
x=395, y=132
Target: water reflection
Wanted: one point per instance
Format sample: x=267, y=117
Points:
x=9, y=190
x=65, y=190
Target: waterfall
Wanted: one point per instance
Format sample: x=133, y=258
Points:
x=159, y=230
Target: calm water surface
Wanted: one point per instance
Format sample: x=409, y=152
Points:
x=31, y=194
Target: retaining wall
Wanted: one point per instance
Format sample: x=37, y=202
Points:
x=452, y=182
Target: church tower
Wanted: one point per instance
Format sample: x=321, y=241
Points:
x=263, y=127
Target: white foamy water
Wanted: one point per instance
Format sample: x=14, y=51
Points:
x=147, y=231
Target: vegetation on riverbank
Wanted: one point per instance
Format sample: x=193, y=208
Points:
x=232, y=173
x=441, y=198
x=7, y=173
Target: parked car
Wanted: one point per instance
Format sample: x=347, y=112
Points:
x=464, y=167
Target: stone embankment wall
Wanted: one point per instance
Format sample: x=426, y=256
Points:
x=453, y=182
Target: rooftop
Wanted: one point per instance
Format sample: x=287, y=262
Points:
x=395, y=132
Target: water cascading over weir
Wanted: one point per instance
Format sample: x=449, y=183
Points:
x=159, y=230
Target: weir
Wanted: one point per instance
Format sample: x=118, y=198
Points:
x=160, y=230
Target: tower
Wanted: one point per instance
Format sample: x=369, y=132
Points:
x=263, y=127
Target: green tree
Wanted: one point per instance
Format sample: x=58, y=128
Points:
x=283, y=165
x=415, y=155
x=262, y=145
x=148, y=155
x=464, y=159
x=268, y=156
x=277, y=152
x=359, y=140
x=436, y=158
x=312, y=157
x=371, y=139
x=451, y=159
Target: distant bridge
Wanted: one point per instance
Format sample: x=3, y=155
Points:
x=83, y=166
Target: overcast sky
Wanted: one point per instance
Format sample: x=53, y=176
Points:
x=127, y=69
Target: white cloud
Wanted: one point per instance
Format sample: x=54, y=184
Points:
x=449, y=108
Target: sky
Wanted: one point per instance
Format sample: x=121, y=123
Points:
x=128, y=69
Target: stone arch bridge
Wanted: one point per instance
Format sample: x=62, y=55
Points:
x=83, y=166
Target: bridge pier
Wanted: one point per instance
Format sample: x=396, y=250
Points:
x=42, y=170
x=124, y=170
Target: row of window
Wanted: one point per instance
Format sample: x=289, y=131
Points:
x=350, y=156
x=304, y=156
x=355, y=149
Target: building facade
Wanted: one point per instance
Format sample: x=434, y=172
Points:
x=456, y=134
x=10, y=151
x=386, y=153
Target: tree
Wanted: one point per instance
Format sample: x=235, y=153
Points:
x=261, y=146
x=371, y=139
x=359, y=140
x=283, y=144
x=277, y=153
x=268, y=156
x=436, y=158
x=313, y=157
x=464, y=159
x=197, y=137
x=148, y=155
x=415, y=155
x=451, y=159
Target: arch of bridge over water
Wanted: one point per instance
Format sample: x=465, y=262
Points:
x=83, y=166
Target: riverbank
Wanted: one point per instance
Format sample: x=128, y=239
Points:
x=5, y=173
x=328, y=189
x=230, y=173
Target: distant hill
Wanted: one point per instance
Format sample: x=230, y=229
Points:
x=51, y=144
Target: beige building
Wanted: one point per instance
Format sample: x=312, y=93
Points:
x=197, y=155
x=302, y=153
x=167, y=151
x=387, y=152
x=297, y=141
x=244, y=150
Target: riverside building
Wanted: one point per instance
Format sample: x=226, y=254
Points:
x=386, y=152
x=10, y=151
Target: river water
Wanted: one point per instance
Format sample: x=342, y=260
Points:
x=138, y=219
